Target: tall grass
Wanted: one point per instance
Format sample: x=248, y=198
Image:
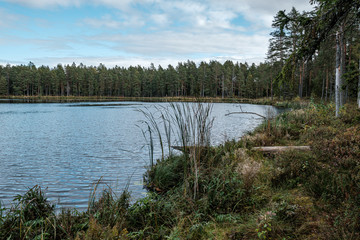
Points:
x=29, y=218
x=190, y=123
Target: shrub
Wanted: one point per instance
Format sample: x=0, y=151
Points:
x=292, y=168
x=343, y=149
x=165, y=174
x=110, y=210
x=30, y=217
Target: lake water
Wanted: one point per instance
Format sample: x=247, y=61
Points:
x=67, y=147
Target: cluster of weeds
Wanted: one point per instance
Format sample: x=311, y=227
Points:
x=296, y=103
x=292, y=168
x=31, y=217
x=168, y=173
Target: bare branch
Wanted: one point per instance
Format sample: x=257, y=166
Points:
x=245, y=113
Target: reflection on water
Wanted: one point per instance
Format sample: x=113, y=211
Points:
x=67, y=148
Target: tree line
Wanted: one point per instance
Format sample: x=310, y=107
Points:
x=315, y=53
x=210, y=79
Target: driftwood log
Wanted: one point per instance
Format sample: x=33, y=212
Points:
x=246, y=113
x=265, y=149
x=275, y=149
x=188, y=149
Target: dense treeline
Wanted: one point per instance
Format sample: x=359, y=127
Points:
x=301, y=61
x=186, y=79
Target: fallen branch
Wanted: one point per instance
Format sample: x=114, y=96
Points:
x=188, y=149
x=242, y=112
x=275, y=149
x=246, y=113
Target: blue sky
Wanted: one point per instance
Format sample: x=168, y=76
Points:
x=136, y=32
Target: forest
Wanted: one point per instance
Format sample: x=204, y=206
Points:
x=305, y=50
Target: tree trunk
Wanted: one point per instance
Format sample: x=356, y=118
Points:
x=271, y=88
x=202, y=84
x=276, y=149
x=327, y=84
x=358, y=97
x=301, y=80
x=349, y=64
x=8, y=82
x=337, y=75
x=223, y=86
x=309, y=91
x=67, y=88
x=342, y=65
x=323, y=89
x=331, y=90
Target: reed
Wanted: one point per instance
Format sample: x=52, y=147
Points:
x=190, y=123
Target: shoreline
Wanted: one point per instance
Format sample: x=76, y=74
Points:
x=276, y=102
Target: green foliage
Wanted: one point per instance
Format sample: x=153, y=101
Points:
x=167, y=174
x=3, y=86
x=151, y=216
x=30, y=217
x=225, y=192
x=187, y=79
x=70, y=222
x=110, y=210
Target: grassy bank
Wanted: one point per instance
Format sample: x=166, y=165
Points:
x=49, y=99
x=226, y=192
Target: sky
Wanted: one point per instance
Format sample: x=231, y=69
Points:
x=137, y=32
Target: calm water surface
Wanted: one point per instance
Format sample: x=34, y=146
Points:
x=66, y=148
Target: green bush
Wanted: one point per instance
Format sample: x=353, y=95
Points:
x=30, y=217
x=225, y=192
x=151, y=217
x=110, y=210
x=165, y=174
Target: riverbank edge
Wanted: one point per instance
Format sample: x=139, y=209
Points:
x=56, y=99
x=291, y=195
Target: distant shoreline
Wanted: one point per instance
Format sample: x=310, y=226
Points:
x=59, y=99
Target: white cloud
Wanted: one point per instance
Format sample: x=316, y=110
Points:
x=44, y=4
x=9, y=20
x=187, y=44
x=48, y=3
x=260, y=12
x=105, y=21
x=127, y=61
x=213, y=13
x=185, y=29
x=160, y=19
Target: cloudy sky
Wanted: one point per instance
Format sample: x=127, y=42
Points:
x=136, y=32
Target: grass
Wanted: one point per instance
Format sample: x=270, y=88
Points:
x=261, y=101
x=233, y=192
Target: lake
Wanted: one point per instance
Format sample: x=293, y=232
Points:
x=67, y=147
